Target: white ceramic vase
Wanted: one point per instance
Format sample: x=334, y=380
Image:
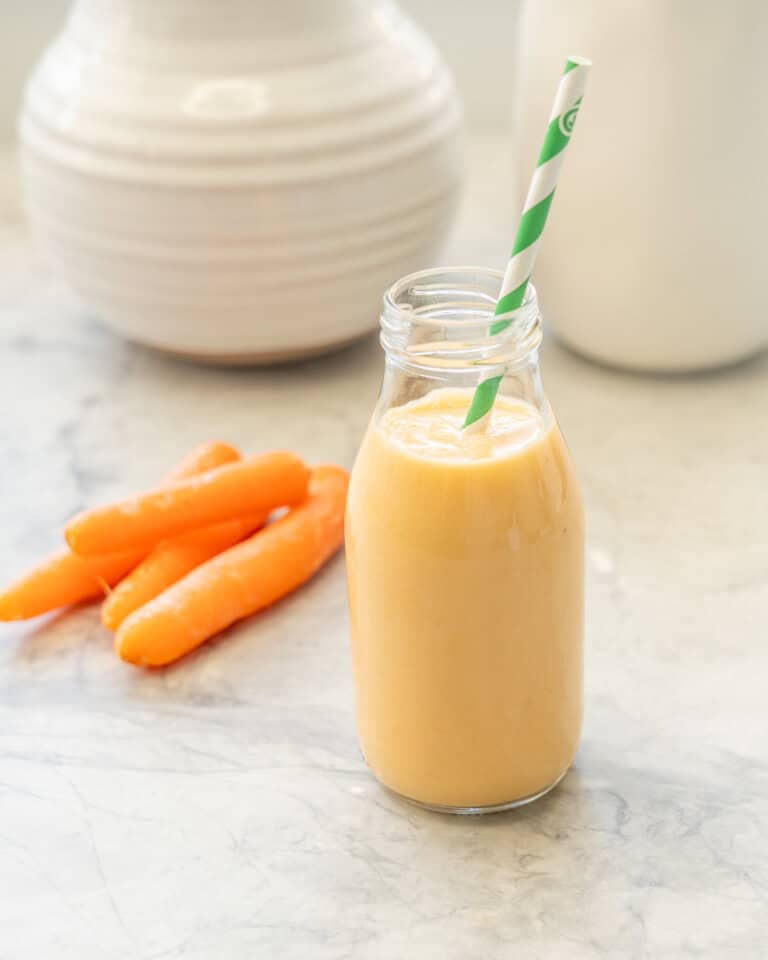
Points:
x=239, y=180
x=654, y=258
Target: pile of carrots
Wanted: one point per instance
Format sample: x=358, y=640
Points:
x=182, y=562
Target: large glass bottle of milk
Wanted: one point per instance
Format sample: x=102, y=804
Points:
x=465, y=558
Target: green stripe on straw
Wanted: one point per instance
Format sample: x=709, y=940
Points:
x=554, y=141
x=537, y=203
x=506, y=304
x=483, y=398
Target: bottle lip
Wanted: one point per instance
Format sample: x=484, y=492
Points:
x=441, y=318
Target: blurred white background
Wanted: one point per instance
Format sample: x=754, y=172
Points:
x=477, y=41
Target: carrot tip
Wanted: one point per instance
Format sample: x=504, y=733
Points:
x=124, y=651
x=108, y=620
x=71, y=538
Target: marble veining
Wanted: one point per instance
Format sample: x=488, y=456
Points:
x=220, y=809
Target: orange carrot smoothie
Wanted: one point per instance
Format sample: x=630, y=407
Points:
x=465, y=566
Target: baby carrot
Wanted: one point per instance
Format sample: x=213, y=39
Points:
x=242, y=580
x=253, y=485
x=169, y=562
x=63, y=577
x=205, y=456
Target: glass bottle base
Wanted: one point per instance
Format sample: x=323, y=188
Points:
x=479, y=811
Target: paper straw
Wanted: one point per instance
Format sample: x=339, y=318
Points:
x=534, y=217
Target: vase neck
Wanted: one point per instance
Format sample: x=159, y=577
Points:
x=227, y=36
x=212, y=20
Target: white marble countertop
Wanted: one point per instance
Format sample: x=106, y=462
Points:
x=220, y=809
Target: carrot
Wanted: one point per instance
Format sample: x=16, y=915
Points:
x=60, y=579
x=242, y=580
x=205, y=456
x=63, y=577
x=236, y=490
x=169, y=562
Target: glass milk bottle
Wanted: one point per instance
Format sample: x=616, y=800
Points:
x=465, y=559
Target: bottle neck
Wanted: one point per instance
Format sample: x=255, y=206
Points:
x=404, y=383
x=439, y=331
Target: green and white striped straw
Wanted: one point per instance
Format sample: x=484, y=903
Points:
x=529, y=230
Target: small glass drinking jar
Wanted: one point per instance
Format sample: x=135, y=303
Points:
x=465, y=556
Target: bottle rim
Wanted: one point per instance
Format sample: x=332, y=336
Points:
x=442, y=317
